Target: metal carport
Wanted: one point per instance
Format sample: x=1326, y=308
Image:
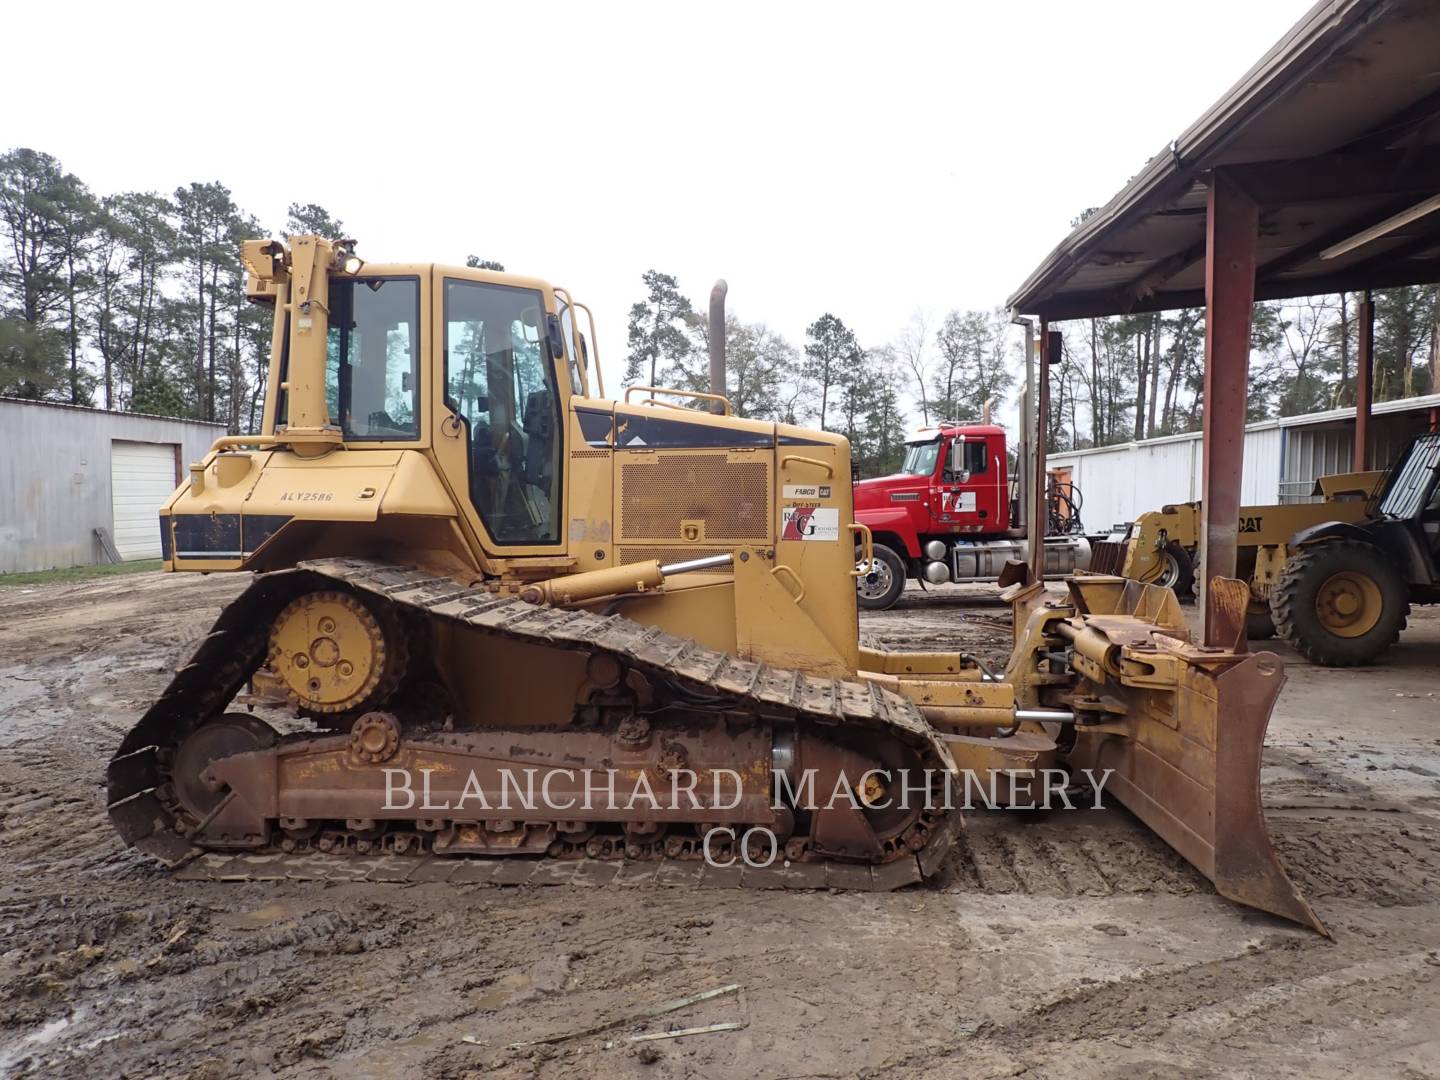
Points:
x=1319, y=171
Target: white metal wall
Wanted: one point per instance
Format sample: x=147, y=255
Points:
x=1312, y=453
x=55, y=487
x=1282, y=459
x=1260, y=485
x=1317, y=450
x=1117, y=483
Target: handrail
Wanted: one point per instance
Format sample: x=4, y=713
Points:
x=829, y=469
x=594, y=342
x=781, y=567
x=867, y=548
x=652, y=390
x=562, y=296
x=258, y=441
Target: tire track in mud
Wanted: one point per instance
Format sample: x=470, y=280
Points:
x=1271, y=986
x=1389, y=859
x=1063, y=857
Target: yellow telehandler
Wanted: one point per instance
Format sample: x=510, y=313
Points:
x=1161, y=547
x=528, y=633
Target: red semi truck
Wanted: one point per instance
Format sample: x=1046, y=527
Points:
x=949, y=514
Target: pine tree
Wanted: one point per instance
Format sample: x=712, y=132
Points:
x=312, y=219
x=657, y=331
x=832, y=360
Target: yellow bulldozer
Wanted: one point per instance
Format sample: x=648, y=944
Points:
x=519, y=629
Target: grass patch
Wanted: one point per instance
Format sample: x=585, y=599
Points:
x=79, y=573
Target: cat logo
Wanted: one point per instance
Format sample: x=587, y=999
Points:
x=1251, y=524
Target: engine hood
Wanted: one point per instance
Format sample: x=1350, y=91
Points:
x=875, y=492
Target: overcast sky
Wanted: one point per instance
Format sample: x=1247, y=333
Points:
x=863, y=159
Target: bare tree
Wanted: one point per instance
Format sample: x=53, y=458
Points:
x=912, y=348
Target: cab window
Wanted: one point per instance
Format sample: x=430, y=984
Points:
x=372, y=356
x=976, y=457
x=501, y=384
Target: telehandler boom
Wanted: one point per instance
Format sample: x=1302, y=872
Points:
x=518, y=622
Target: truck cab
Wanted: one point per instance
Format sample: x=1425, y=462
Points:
x=947, y=515
x=953, y=481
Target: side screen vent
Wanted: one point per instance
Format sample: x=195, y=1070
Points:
x=663, y=494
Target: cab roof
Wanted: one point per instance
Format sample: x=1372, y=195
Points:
x=930, y=434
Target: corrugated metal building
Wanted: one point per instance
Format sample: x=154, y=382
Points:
x=66, y=471
x=1282, y=459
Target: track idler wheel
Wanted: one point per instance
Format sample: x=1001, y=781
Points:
x=204, y=798
x=874, y=818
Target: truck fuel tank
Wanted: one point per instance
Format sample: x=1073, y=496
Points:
x=982, y=560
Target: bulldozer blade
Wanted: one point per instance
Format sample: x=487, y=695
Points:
x=1226, y=601
x=1185, y=749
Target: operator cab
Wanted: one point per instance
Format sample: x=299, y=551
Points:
x=1412, y=496
x=468, y=364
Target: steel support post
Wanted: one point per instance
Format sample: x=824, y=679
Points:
x=1231, y=227
x=1364, y=381
x=1029, y=429
x=1049, y=353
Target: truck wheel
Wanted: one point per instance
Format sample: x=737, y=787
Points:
x=1340, y=604
x=883, y=582
x=1177, y=569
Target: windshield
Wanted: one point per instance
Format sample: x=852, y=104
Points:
x=920, y=458
x=1411, y=486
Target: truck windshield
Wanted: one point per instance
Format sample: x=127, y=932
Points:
x=920, y=458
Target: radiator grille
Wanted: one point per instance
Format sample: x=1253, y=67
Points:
x=582, y=454
x=730, y=497
x=667, y=555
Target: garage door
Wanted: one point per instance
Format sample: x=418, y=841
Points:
x=142, y=478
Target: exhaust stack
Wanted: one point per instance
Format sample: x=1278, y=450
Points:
x=717, y=343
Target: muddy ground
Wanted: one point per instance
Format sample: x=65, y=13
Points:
x=1072, y=945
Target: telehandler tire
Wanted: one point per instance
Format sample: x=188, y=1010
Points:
x=1341, y=603
x=882, y=586
x=1178, y=569
x=1259, y=625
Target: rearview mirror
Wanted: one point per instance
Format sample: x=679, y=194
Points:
x=957, y=456
x=555, y=336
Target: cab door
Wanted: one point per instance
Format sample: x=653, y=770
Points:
x=500, y=432
x=964, y=499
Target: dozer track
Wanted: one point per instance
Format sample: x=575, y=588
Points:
x=729, y=701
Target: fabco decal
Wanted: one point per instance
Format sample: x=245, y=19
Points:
x=807, y=491
x=809, y=523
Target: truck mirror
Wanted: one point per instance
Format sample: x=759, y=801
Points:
x=957, y=458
